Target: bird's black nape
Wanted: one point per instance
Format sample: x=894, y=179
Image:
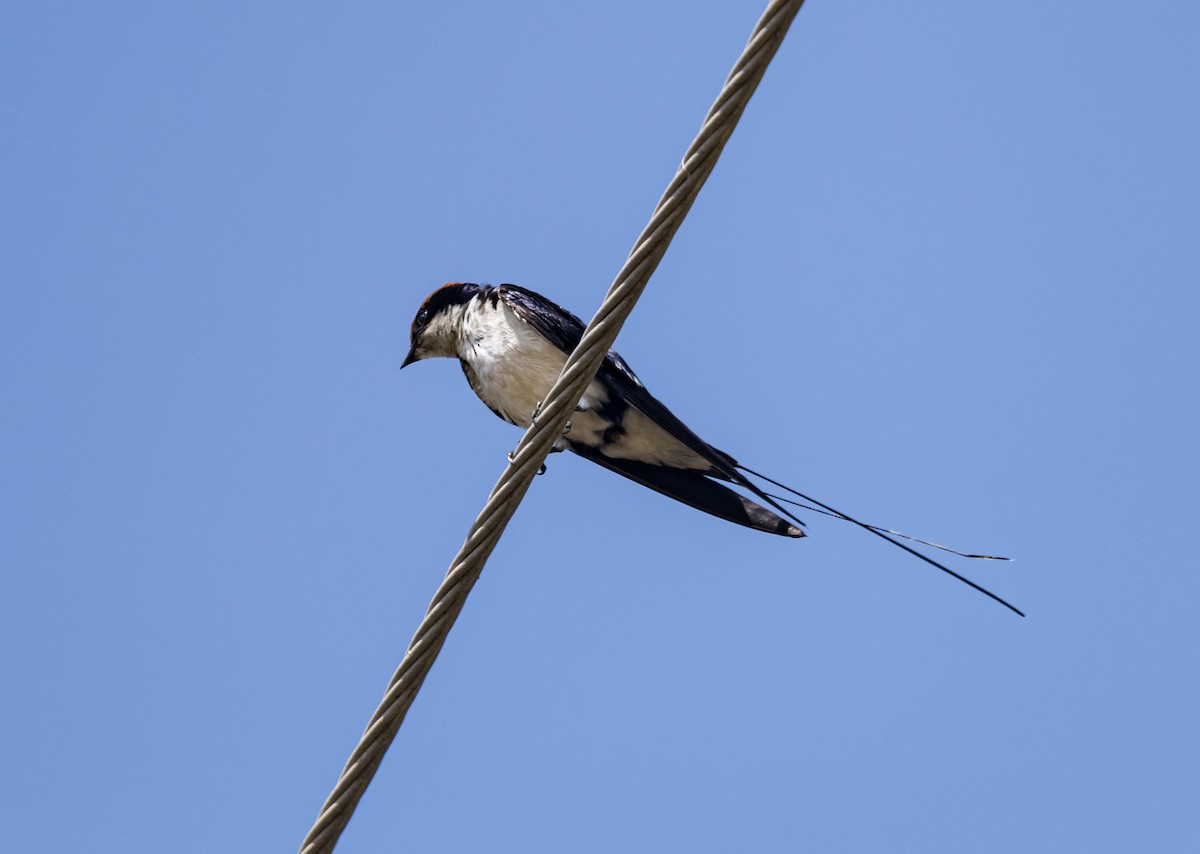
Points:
x=880, y=532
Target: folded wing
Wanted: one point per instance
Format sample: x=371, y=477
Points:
x=696, y=490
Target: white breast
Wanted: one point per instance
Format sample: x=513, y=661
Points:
x=511, y=366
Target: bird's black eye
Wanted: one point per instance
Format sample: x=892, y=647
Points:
x=422, y=317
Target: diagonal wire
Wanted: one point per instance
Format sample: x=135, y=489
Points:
x=561, y=401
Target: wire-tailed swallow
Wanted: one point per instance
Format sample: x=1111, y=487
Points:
x=512, y=344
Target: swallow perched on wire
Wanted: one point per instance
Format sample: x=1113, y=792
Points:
x=512, y=344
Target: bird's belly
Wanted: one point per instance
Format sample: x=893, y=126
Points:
x=514, y=388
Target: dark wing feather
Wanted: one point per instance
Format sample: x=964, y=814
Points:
x=696, y=490
x=552, y=321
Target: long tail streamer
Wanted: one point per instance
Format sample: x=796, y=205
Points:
x=884, y=533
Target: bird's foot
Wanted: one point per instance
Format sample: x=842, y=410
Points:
x=537, y=410
x=512, y=455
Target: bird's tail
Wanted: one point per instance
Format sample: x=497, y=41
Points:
x=824, y=509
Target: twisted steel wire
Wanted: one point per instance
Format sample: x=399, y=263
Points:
x=548, y=425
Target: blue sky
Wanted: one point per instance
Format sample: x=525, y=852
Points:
x=944, y=277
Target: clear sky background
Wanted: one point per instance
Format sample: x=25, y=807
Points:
x=945, y=277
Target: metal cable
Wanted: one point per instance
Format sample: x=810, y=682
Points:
x=550, y=422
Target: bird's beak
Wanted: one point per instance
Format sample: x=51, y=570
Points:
x=411, y=357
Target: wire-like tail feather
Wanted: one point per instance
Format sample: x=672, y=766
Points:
x=883, y=533
x=899, y=534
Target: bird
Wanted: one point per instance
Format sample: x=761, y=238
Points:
x=512, y=343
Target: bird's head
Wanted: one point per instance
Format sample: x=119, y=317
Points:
x=435, y=329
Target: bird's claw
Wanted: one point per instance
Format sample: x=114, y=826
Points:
x=512, y=455
x=537, y=410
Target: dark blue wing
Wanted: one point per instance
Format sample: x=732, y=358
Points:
x=694, y=489
x=555, y=323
